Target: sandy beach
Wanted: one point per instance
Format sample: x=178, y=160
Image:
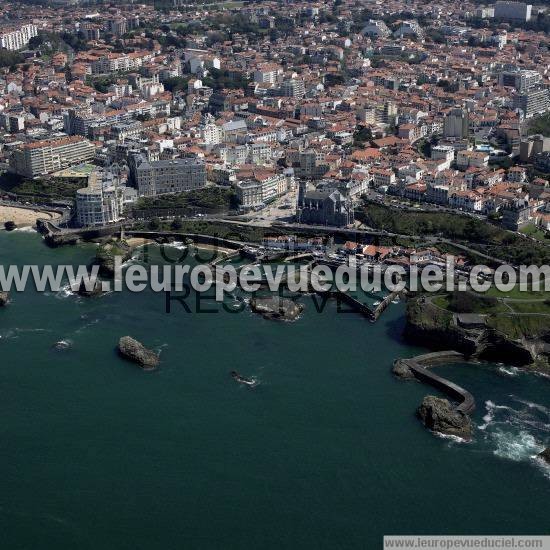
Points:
x=23, y=217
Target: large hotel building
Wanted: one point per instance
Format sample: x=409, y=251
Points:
x=44, y=157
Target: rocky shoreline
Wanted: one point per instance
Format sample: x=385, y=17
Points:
x=437, y=329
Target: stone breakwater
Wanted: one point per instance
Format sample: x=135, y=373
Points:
x=439, y=415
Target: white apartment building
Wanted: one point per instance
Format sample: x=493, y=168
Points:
x=44, y=157
x=477, y=159
x=260, y=189
x=114, y=62
x=212, y=134
x=382, y=176
x=267, y=73
x=444, y=153
x=102, y=202
x=17, y=38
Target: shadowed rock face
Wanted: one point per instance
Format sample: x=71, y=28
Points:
x=135, y=351
x=276, y=308
x=545, y=455
x=4, y=298
x=96, y=291
x=440, y=416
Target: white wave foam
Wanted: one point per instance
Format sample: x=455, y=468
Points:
x=531, y=405
x=453, y=438
x=178, y=245
x=489, y=417
x=509, y=371
x=65, y=292
x=516, y=446
x=25, y=229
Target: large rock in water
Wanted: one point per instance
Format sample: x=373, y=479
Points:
x=106, y=253
x=402, y=370
x=545, y=455
x=96, y=291
x=275, y=307
x=4, y=298
x=135, y=351
x=440, y=416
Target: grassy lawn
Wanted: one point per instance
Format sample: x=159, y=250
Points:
x=517, y=294
x=517, y=326
x=534, y=231
x=469, y=303
x=531, y=307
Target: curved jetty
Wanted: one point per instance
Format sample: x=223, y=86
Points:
x=437, y=414
x=135, y=351
x=417, y=367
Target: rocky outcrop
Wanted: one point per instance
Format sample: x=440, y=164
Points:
x=135, y=351
x=277, y=308
x=106, y=254
x=63, y=345
x=440, y=416
x=545, y=455
x=97, y=290
x=4, y=298
x=401, y=370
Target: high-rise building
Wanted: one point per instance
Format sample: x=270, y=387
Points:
x=169, y=176
x=534, y=102
x=513, y=11
x=15, y=39
x=520, y=79
x=293, y=87
x=44, y=157
x=456, y=123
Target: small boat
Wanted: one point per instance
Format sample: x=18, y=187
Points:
x=376, y=304
x=396, y=301
x=251, y=382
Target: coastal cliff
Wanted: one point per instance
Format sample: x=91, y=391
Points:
x=436, y=328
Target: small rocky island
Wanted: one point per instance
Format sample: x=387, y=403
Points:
x=106, y=254
x=135, y=351
x=97, y=290
x=275, y=307
x=440, y=416
x=4, y=298
x=545, y=455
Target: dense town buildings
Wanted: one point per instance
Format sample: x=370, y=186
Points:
x=432, y=104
